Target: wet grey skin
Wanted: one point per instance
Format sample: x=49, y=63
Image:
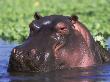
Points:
x=55, y=43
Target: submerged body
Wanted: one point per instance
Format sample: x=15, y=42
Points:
x=56, y=42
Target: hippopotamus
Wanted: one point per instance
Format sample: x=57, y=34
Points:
x=57, y=42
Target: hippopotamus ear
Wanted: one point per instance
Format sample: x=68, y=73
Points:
x=74, y=18
x=37, y=16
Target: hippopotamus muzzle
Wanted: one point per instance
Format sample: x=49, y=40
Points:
x=55, y=42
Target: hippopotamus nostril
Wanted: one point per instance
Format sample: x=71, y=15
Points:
x=33, y=51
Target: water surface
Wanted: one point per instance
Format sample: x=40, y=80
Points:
x=93, y=74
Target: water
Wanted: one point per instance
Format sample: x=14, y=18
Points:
x=93, y=74
x=108, y=43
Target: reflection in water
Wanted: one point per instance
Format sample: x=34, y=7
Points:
x=92, y=74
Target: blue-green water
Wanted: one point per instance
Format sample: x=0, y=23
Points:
x=93, y=74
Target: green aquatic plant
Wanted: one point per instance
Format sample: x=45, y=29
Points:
x=15, y=15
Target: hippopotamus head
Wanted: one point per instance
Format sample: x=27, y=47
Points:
x=53, y=43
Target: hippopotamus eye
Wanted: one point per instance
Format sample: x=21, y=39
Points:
x=62, y=28
x=34, y=27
